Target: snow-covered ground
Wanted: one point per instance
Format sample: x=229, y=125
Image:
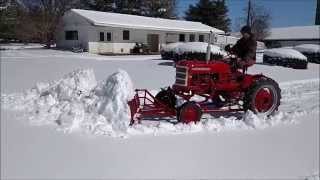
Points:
x=308, y=48
x=285, y=147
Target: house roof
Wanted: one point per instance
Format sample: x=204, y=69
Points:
x=294, y=33
x=140, y=22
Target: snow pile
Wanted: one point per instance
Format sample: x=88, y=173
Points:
x=113, y=96
x=19, y=46
x=78, y=102
x=191, y=47
x=316, y=176
x=285, y=53
x=308, y=48
x=171, y=47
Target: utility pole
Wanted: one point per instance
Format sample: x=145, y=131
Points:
x=249, y=12
x=318, y=13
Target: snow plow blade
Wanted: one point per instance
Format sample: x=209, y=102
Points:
x=145, y=105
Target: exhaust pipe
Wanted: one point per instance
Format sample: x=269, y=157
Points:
x=209, y=48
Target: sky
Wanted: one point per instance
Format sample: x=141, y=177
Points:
x=284, y=12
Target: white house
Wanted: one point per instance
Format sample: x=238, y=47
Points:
x=292, y=36
x=103, y=32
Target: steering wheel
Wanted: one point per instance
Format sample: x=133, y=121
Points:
x=233, y=63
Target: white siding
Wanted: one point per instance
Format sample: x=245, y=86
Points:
x=73, y=22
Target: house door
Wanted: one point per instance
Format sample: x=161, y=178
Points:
x=153, y=42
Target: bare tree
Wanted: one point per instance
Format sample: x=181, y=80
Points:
x=162, y=9
x=25, y=29
x=150, y=8
x=258, y=18
x=39, y=21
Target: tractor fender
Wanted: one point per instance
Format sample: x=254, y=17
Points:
x=251, y=79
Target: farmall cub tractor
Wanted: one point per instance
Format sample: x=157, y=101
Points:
x=222, y=86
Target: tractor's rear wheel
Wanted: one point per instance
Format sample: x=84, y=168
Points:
x=263, y=97
x=189, y=112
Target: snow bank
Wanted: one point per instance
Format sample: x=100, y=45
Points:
x=285, y=53
x=113, y=96
x=19, y=46
x=170, y=47
x=308, y=48
x=191, y=47
x=78, y=102
x=316, y=176
x=197, y=47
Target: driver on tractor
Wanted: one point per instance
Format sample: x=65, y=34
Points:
x=245, y=48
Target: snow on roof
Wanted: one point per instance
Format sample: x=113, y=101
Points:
x=296, y=32
x=285, y=53
x=140, y=22
x=308, y=48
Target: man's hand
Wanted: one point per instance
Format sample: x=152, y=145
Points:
x=241, y=62
x=228, y=48
x=244, y=62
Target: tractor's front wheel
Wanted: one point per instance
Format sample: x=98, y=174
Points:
x=263, y=97
x=189, y=112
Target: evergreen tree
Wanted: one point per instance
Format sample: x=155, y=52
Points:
x=210, y=12
x=161, y=9
x=98, y=5
x=222, y=22
x=128, y=7
x=8, y=17
x=150, y=8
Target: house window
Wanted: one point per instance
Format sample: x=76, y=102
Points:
x=182, y=37
x=71, y=35
x=126, y=35
x=101, y=36
x=201, y=38
x=192, y=37
x=108, y=36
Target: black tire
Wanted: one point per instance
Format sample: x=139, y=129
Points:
x=167, y=97
x=187, y=108
x=263, y=85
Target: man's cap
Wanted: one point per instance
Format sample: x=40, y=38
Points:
x=246, y=29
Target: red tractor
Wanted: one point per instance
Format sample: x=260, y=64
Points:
x=221, y=86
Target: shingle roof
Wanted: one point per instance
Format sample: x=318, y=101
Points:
x=140, y=22
x=296, y=32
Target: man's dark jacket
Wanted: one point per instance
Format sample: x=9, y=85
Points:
x=246, y=48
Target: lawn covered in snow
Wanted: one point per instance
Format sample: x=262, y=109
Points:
x=219, y=147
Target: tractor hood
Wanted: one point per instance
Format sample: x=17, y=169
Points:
x=201, y=66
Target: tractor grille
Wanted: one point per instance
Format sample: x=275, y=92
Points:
x=181, y=75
